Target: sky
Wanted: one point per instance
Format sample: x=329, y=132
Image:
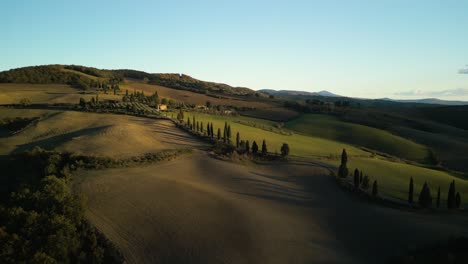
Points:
x=372, y=49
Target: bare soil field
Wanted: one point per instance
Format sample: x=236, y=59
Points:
x=198, y=209
x=12, y=93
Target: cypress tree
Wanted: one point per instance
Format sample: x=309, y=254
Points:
x=356, y=178
x=425, y=198
x=457, y=200
x=188, y=122
x=229, y=132
x=365, y=182
x=247, y=146
x=438, y=198
x=375, y=190
x=360, y=178
x=411, y=191
x=225, y=135
x=193, y=117
x=201, y=127
x=208, y=130
x=344, y=157
x=254, y=147
x=197, y=128
x=212, y=131
x=451, y=196
x=225, y=128
x=264, y=148
x=219, y=133
x=285, y=149
x=343, y=169
x=237, y=140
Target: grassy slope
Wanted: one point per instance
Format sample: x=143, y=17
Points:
x=94, y=134
x=450, y=148
x=393, y=178
x=329, y=127
x=300, y=145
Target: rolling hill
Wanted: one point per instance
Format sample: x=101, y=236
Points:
x=202, y=207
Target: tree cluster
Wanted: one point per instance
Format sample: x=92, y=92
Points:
x=43, y=221
x=425, y=197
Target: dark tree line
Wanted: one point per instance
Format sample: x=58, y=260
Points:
x=425, y=199
x=361, y=182
x=42, y=220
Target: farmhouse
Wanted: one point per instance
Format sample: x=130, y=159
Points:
x=161, y=107
x=201, y=107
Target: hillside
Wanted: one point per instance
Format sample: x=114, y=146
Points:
x=81, y=77
x=91, y=134
x=85, y=78
x=197, y=209
x=451, y=115
x=76, y=76
x=330, y=127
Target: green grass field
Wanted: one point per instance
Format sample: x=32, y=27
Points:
x=330, y=127
x=300, y=145
x=393, y=178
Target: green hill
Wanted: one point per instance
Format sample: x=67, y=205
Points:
x=450, y=115
x=76, y=76
x=330, y=127
x=84, y=77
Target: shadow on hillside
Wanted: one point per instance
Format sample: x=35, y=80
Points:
x=55, y=141
x=368, y=232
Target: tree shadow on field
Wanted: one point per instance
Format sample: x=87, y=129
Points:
x=55, y=141
x=368, y=232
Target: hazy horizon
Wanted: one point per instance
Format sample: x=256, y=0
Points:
x=363, y=49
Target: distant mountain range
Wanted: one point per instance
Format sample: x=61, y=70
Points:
x=428, y=101
x=297, y=94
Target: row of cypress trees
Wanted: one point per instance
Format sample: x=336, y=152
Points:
x=425, y=197
x=360, y=181
x=225, y=137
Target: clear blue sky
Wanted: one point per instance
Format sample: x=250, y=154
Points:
x=400, y=49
